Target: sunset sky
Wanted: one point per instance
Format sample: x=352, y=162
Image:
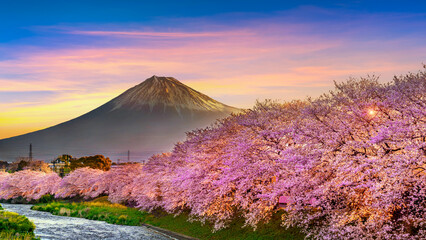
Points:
x=60, y=59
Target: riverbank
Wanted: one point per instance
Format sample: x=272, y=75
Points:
x=15, y=227
x=101, y=209
x=53, y=227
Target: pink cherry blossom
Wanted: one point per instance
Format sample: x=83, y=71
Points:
x=350, y=164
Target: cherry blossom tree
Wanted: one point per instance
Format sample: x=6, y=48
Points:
x=117, y=183
x=80, y=182
x=350, y=164
x=28, y=184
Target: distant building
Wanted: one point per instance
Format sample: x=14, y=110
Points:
x=58, y=166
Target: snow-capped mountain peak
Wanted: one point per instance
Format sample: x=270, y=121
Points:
x=166, y=92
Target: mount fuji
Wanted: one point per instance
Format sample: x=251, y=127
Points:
x=146, y=119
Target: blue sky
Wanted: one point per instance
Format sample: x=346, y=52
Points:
x=19, y=17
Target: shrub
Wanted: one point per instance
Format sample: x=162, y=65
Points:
x=15, y=224
x=46, y=198
x=95, y=162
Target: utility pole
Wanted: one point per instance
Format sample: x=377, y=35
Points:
x=128, y=156
x=31, y=152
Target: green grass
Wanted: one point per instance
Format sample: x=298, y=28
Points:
x=101, y=209
x=15, y=226
x=11, y=235
x=95, y=210
x=235, y=230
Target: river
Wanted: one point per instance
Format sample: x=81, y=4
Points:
x=52, y=227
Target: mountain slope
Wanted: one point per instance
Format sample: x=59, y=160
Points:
x=167, y=92
x=146, y=119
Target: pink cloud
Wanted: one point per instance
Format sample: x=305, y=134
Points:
x=236, y=67
x=303, y=59
x=160, y=34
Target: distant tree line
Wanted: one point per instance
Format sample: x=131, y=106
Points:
x=63, y=164
x=95, y=162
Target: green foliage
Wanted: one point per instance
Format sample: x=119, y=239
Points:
x=101, y=209
x=10, y=235
x=47, y=198
x=18, y=199
x=21, y=200
x=95, y=210
x=64, y=158
x=15, y=226
x=236, y=229
x=96, y=162
x=62, y=164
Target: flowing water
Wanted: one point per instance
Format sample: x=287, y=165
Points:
x=54, y=227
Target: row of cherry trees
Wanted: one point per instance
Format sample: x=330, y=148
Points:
x=352, y=162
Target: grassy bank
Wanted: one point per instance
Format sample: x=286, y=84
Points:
x=95, y=210
x=101, y=209
x=15, y=227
